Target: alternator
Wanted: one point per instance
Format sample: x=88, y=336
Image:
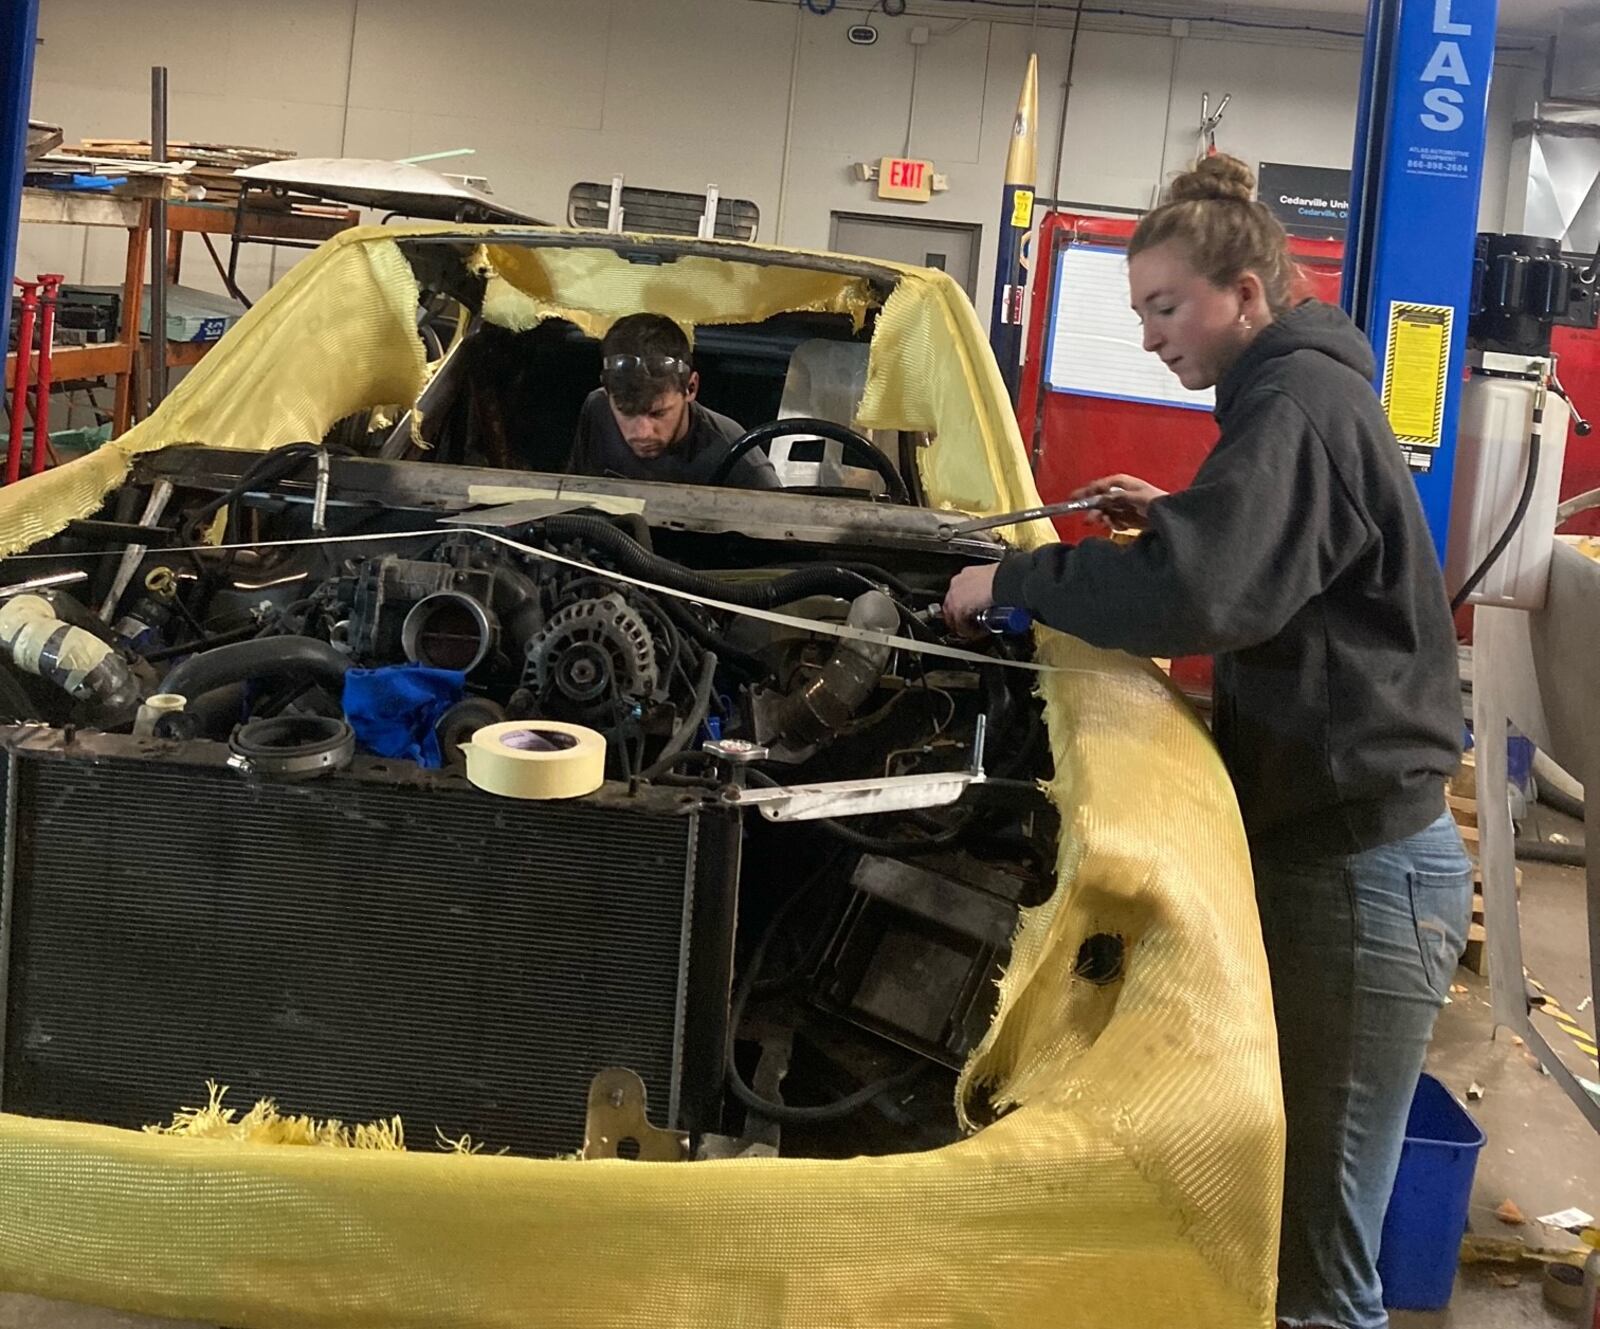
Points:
x=592, y=651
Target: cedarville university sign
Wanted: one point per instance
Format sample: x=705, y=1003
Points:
x=1310, y=201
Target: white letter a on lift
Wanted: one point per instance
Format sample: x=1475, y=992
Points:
x=1447, y=62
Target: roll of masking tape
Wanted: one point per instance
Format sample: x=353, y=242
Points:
x=536, y=759
x=1563, y=1286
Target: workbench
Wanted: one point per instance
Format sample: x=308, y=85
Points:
x=116, y=359
x=245, y=223
x=122, y=360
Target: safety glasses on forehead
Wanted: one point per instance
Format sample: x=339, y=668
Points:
x=656, y=366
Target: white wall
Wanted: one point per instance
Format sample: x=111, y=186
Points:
x=675, y=95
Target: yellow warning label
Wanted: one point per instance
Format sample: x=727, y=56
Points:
x=1022, y=209
x=1416, y=372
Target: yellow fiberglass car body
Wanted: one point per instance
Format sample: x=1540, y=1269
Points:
x=1128, y=1168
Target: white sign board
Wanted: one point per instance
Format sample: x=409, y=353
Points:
x=1096, y=343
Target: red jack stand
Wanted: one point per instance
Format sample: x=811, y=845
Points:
x=50, y=282
x=19, y=384
x=38, y=304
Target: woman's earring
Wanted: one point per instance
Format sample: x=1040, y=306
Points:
x=1246, y=324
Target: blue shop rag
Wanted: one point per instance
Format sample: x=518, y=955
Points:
x=394, y=709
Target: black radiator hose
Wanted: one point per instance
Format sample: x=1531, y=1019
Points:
x=276, y=657
x=1544, y=851
x=634, y=560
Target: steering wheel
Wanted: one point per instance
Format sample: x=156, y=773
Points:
x=857, y=447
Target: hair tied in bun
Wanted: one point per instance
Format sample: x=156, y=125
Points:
x=1219, y=178
x=1212, y=214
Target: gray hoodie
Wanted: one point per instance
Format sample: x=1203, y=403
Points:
x=1300, y=558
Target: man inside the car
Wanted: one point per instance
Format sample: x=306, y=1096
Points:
x=643, y=422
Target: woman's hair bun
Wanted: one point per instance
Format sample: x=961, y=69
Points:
x=1219, y=177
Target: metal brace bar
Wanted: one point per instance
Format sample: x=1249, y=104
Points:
x=856, y=798
x=708, y=218
x=614, y=209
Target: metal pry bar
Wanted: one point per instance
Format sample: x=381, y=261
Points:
x=977, y=524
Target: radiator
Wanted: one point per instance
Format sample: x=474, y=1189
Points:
x=383, y=941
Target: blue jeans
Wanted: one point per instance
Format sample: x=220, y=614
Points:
x=1361, y=950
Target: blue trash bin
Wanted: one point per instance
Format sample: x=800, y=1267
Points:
x=1428, y=1211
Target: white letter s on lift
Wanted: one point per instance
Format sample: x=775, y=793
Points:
x=1445, y=105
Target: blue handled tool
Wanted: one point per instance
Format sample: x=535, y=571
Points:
x=1005, y=620
x=999, y=620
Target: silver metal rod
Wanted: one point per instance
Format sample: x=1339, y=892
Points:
x=157, y=352
x=319, y=500
x=155, y=505
x=1093, y=501
x=42, y=583
x=1066, y=101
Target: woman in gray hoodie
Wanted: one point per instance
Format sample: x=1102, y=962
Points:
x=1300, y=559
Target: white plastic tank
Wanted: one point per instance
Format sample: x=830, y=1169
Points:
x=1491, y=469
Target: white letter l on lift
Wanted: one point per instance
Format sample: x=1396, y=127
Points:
x=1442, y=26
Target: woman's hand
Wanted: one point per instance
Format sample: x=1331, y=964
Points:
x=1125, y=509
x=971, y=592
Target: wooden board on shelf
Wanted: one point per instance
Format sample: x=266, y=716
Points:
x=214, y=163
x=212, y=219
x=67, y=207
x=187, y=354
x=69, y=363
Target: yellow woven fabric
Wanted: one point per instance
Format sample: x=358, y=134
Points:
x=596, y=287
x=335, y=336
x=931, y=370
x=1133, y=1180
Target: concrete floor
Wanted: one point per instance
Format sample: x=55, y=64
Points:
x=1540, y=1153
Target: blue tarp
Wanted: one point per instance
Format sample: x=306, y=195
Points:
x=394, y=709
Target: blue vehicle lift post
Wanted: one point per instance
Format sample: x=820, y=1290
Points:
x=1418, y=170
x=19, y=25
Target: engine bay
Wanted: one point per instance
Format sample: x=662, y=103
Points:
x=716, y=657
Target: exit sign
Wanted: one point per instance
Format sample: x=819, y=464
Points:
x=905, y=179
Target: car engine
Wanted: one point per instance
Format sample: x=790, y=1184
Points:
x=867, y=946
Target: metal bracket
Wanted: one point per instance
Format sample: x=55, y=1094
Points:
x=856, y=798
x=708, y=219
x=1519, y=366
x=1210, y=120
x=617, y=1102
x=614, y=208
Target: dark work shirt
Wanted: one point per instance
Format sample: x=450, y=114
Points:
x=1300, y=558
x=600, y=449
